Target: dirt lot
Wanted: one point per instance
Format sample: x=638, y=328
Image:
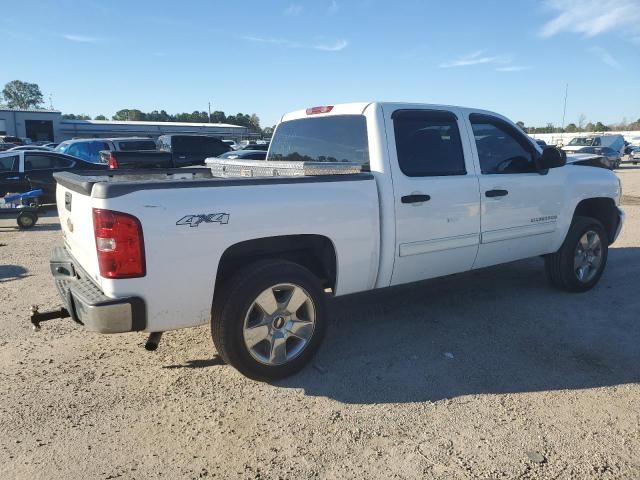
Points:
x=489, y=374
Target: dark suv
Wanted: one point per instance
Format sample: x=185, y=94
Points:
x=191, y=149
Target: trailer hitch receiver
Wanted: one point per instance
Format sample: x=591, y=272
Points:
x=38, y=317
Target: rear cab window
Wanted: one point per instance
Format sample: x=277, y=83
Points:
x=334, y=138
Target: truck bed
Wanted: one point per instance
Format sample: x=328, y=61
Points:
x=116, y=183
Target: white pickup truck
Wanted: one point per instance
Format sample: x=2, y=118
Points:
x=441, y=190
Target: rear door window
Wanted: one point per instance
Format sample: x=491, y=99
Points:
x=137, y=145
x=37, y=162
x=428, y=143
x=336, y=138
x=45, y=162
x=9, y=164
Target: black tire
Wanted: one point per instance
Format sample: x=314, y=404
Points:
x=26, y=220
x=560, y=265
x=233, y=302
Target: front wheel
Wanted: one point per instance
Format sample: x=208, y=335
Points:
x=578, y=265
x=269, y=319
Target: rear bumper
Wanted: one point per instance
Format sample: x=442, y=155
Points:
x=88, y=305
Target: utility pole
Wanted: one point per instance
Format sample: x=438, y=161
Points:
x=50, y=102
x=209, y=112
x=564, y=111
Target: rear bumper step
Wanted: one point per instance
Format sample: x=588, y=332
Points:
x=86, y=304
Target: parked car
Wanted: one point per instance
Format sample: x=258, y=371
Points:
x=245, y=154
x=51, y=144
x=30, y=147
x=231, y=143
x=6, y=146
x=89, y=149
x=609, y=146
x=191, y=149
x=24, y=170
x=10, y=139
x=256, y=146
x=173, y=151
x=635, y=155
x=439, y=190
x=591, y=160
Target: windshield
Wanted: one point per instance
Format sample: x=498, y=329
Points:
x=62, y=148
x=581, y=141
x=337, y=138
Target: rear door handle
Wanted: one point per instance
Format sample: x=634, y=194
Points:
x=415, y=198
x=496, y=193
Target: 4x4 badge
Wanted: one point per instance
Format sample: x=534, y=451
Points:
x=195, y=220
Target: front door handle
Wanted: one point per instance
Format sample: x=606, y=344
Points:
x=415, y=198
x=496, y=193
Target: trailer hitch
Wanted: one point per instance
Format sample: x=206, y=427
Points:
x=38, y=317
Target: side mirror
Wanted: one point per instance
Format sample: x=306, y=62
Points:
x=551, y=157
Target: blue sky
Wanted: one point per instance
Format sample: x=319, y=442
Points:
x=270, y=57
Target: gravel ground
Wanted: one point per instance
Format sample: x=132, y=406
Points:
x=489, y=374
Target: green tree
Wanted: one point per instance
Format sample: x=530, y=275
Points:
x=130, y=115
x=72, y=116
x=24, y=95
x=600, y=127
x=521, y=126
x=218, y=117
x=100, y=117
x=589, y=127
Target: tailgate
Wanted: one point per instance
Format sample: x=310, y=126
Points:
x=76, y=221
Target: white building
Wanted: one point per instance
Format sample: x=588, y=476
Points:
x=41, y=125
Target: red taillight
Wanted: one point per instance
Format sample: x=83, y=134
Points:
x=315, y=110
x=113, y=162
x=119, y=243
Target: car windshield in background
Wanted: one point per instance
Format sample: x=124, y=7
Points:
x=581, y=142
x=339, y=138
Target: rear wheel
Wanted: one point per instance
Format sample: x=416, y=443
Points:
x=26, y=220
x=269, y=319
x=578, y=265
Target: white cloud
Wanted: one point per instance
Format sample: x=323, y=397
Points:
x=605, y=57
x=332, y=47
x=593, y=17
x=333, y=7
x=475, y=58
x=293, y=10
x=514, y=68
x=79, y=38
x=326, y=46
x=272, y=40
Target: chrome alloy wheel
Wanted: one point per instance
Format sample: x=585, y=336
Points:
x=279, y=324
x=588, y=256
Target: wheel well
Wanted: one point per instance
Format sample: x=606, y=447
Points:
x=314, y=252
x=602, y=209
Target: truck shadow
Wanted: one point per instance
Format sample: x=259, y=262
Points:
x=500, y=330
